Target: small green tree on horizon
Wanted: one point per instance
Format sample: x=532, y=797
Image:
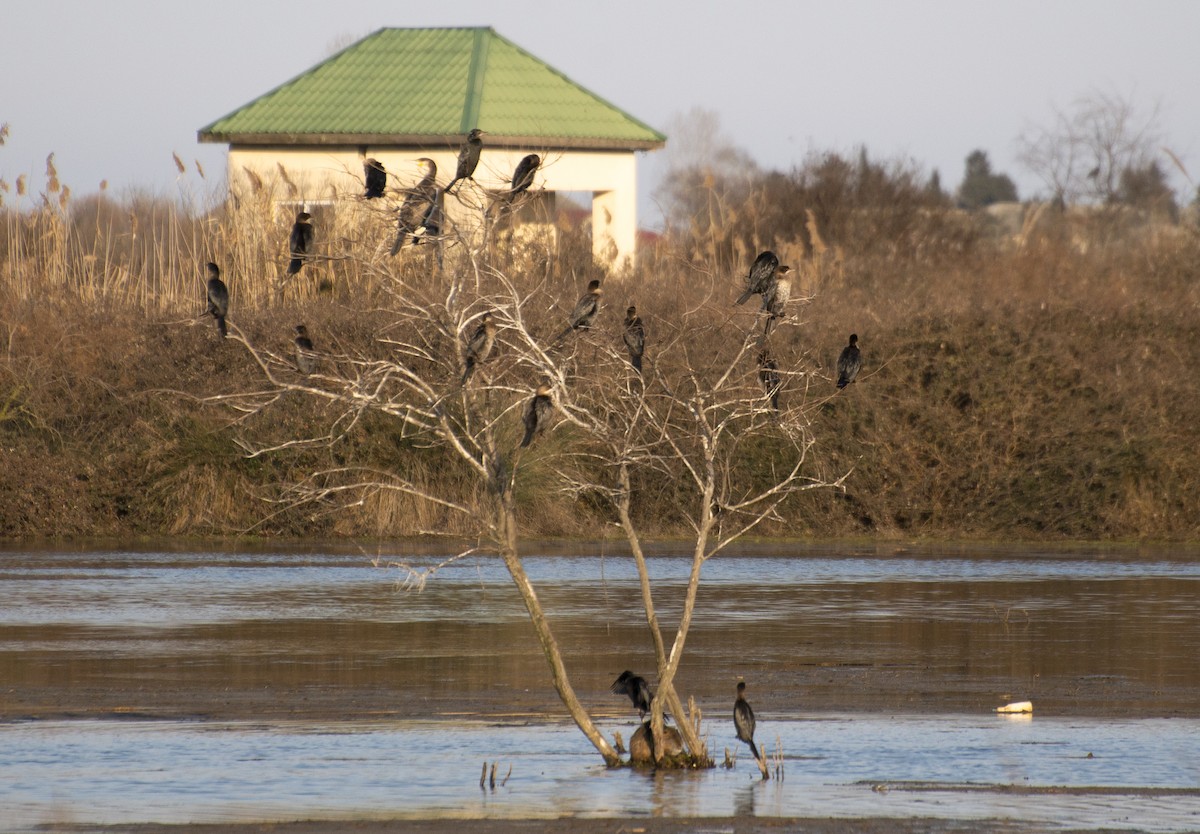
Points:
x=981, y=187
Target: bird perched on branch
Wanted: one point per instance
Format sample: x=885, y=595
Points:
x=375, y=177
x=760, y=277
x=768, y=376
x=585, y=309
x=306, y=359
x=637, y=689
x=418, y=206
x=479, y=346
x=218, y=298
x=635, y=338
x=776, y=297
x=523, y=176
x=468, y=158
x=743, y=719
x=537, y=413
x=300, y=242
x=849, y=363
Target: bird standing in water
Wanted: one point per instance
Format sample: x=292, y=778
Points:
x=479, y=346
x=218, y=298
x=849, y=363
x=306, y=359
x=585, y=309
x=537, y=413
x=635, y=338
x=760, y=277
x=768, y=376
x=523, y=176
x=376, y=178
x=743, y=720
x=300, y=242
x=418, y=206
x=776, y=297
x=468, y=158
x=636, y=688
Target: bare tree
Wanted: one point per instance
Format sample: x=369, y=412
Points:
x=1082, y=154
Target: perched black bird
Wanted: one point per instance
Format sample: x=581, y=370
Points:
x=768, y=376
x=479, y=346
x=306, y=359
x=523, y=176
x=585, y=309
x=418, y=206
x=743, y=719
x=849, y=363
x=218, y=298
x=776, y=297
x=376, y=178
x=537, y=413
x=761, y=276
x=300, y=242
x=468, y=158
x=635, y=338
x=636, y=688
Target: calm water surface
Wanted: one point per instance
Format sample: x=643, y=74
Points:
x=155, y=686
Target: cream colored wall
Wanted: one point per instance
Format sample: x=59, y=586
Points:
x=333, y=173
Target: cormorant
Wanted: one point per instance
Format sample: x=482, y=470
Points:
x=218, y=298
x=306, y=359
x=523, y=176
x=636, y=688
x=768, y=376
x=468, y=158
x=743, y=719
x=585, y=309
x=849, y=363
x=300, y=242
x=761, y=276
x=776, y=298
x=376, y=178
x=537, y=413
x=635, y=338
x=479, y=346
x=418, y=206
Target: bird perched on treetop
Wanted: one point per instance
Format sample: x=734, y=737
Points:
x=636, y=688
x=537, y=413
x=635, y=337
x=468, y=158
x=479, y=346
x=418, y=205
x=760, y=277
x=743, y=719
x=306, y=359
x=768, y=376
x=375, y=177
x=585, y=309
x=218, y=298
x=776, y=297
x=849, y=363
x=300, y=242
x=523, y=176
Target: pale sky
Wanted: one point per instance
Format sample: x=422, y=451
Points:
x=113, y=88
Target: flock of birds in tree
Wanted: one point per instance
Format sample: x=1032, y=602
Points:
x=419, y=218
x=640, y=695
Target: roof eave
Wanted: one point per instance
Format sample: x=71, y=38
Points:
x=413, y=140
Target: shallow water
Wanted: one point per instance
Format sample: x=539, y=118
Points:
x=272, y=686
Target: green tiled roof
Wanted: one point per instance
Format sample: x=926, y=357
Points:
x=430, y=86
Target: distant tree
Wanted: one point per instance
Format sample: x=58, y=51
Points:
x=980, y=187
x=1146, y=188
x=1083, y=154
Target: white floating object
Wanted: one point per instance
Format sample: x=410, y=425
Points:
x=1016, y=706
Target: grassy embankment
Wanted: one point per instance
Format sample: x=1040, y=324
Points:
x=1039, y=389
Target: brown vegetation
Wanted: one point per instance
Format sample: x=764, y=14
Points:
x=1039, y=388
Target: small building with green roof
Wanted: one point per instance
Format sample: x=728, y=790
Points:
x=400, y=94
